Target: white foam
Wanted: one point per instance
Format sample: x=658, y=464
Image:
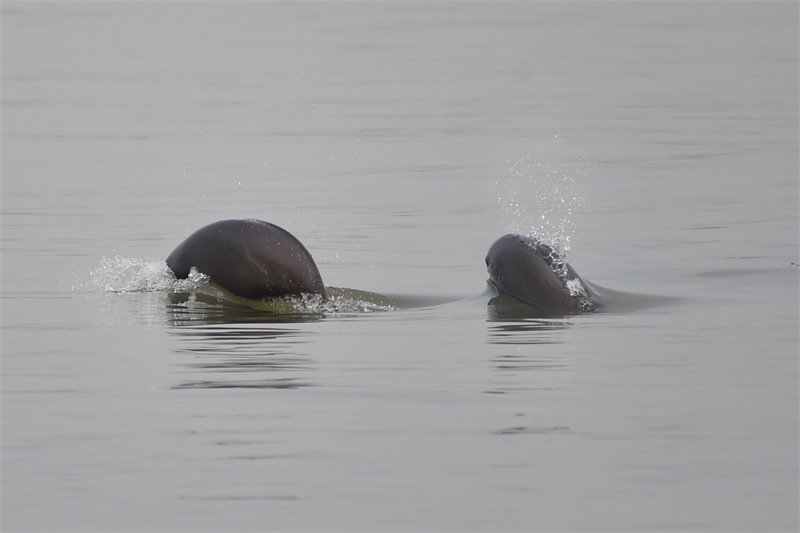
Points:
x=340, y=301
x=125, y=274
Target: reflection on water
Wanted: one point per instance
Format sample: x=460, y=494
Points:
x=226, y=338
x=528, y=331
x=532, y=430
x=287, y=383
x=223, y=340
x=527, y=357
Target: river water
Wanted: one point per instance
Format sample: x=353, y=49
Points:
x=656, y=145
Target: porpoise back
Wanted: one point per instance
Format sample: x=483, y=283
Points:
x=250, y=258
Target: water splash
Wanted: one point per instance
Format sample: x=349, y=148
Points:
x=539, y=195
x=125, y=274
x=341, y=301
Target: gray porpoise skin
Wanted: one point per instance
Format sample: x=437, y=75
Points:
x=535, y=274
x=250, y=258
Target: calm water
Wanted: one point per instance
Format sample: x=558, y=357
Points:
x=657, y=144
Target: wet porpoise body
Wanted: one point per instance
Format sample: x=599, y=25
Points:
x=257, y=260
x=251, y=258
x=534, y=273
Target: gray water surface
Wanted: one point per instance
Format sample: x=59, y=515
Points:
x=656, y=144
